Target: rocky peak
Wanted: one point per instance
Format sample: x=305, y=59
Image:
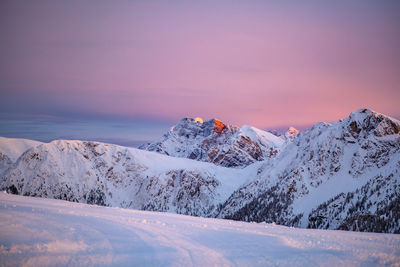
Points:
x=218, y=126
x=291, y=132
x=366, y=121
x=217, y=142
x=189, y=127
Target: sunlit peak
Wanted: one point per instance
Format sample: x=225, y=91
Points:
x=198, y=119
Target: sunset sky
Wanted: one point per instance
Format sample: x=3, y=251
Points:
x=130, y=69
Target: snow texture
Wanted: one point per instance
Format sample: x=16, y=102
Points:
x=44, y=232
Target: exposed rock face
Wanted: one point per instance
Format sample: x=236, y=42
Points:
x=365, y=122
x=216, y=142
x=218, y=126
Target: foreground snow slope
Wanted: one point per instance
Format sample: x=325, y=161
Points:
x=40, y=232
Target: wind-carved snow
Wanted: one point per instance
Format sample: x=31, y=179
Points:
x=44, y=232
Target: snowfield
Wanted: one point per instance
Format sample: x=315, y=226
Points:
x=42, y=232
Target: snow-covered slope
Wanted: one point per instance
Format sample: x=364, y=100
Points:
x=213, y=141
x=14, y=147
x=44, y=232
x=11, y=149
x=343, y=175
x=104, y=174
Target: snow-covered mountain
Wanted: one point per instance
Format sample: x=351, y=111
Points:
x=288, y=135
x=291, y=133
x=104, y=174
x=342, y=175
x=11, y=149
x=216, y=142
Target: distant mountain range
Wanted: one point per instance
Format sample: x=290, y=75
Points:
x=342, y=175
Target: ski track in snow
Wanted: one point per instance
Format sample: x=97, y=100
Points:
x=40, y=232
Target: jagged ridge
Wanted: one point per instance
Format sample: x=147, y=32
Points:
x=216, y=142
x=323, y=163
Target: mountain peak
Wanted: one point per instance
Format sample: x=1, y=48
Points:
x=369, y=121
x=217, y=142
x=194, y=127
x=291, y=132
x=218, y=126
x=361, y=114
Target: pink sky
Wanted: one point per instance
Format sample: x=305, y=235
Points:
x=254, y=62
